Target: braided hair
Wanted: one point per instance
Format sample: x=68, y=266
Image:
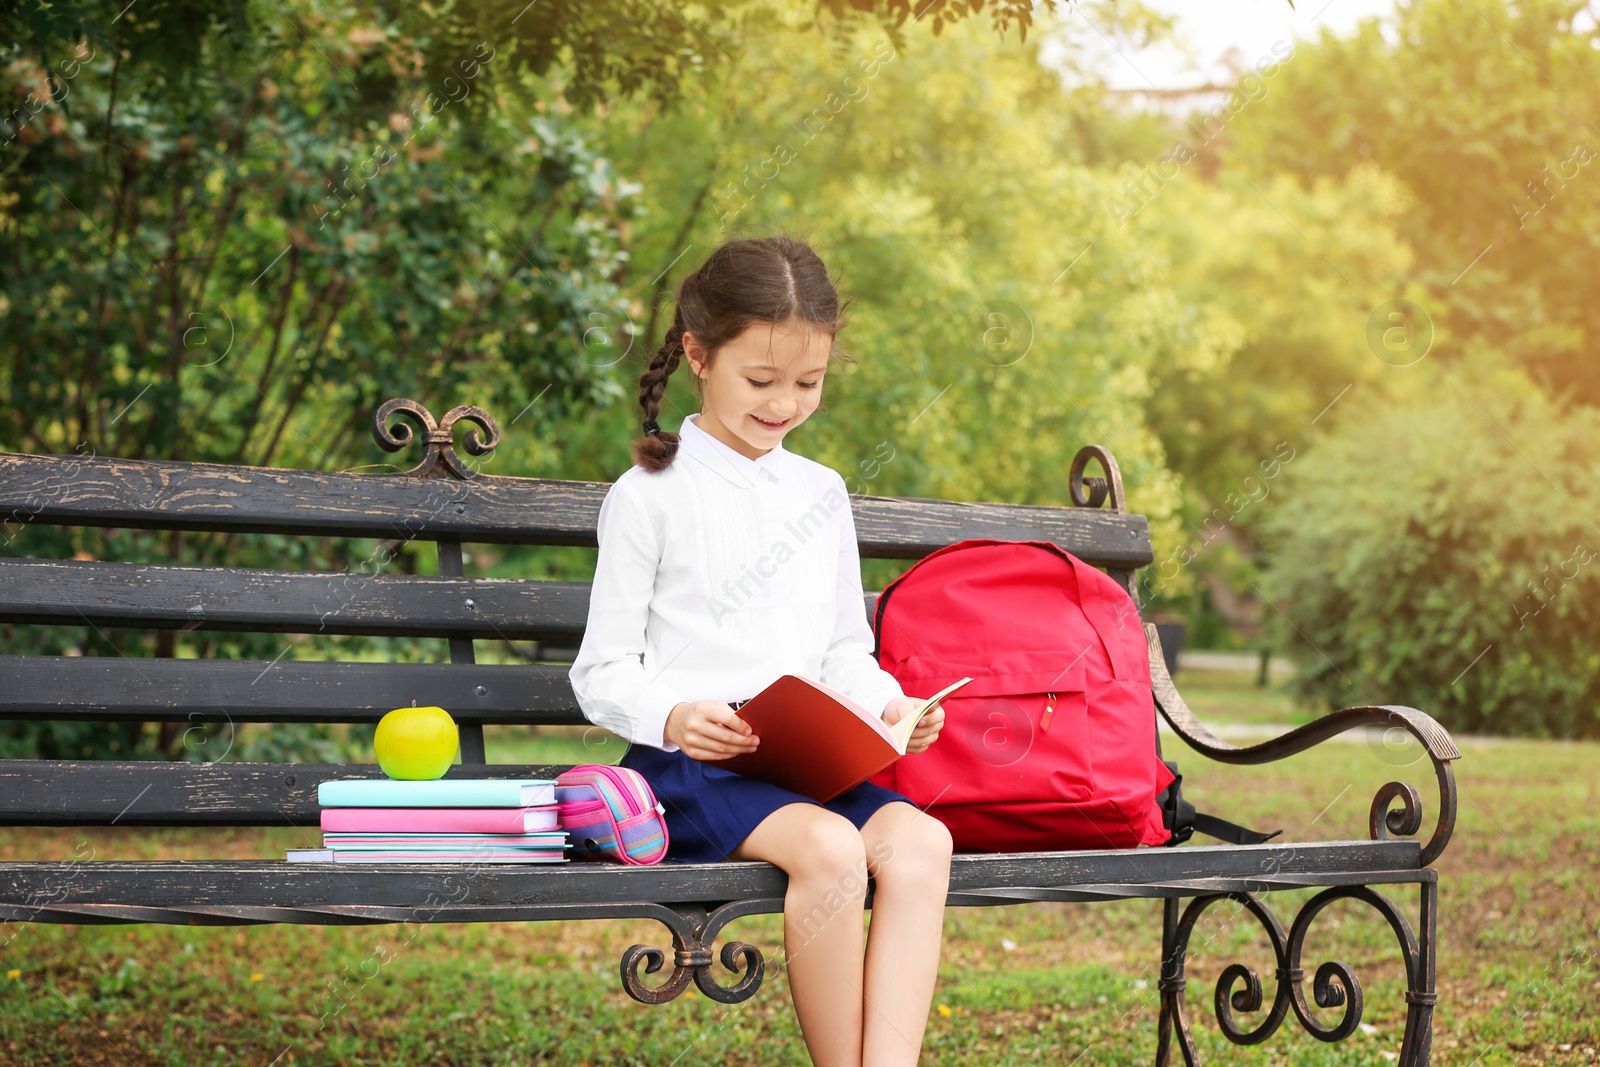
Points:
x=745, y=281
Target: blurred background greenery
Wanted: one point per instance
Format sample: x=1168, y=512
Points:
x=1335, y=322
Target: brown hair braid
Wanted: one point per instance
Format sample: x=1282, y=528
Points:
x=746, y=281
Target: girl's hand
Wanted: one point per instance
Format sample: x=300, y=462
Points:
x=709, y=730
x=927, y=729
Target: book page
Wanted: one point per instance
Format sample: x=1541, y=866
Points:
x=903, y=729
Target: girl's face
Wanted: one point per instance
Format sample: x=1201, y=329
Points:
x=762, y=384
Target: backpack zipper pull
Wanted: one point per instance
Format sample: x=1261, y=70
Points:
x=1049, y=710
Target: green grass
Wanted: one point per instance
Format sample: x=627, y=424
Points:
x=1519, y=958
x=1234, y=697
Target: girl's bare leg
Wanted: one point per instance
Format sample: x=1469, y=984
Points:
x=824, y=856
x=908, y=853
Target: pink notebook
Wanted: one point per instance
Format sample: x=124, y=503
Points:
x=441, y=820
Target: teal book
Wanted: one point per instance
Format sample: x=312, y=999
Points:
x=437, y=793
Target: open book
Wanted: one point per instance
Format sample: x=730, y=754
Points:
x=818, y=742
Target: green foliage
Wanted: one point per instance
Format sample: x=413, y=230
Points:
x=1442, y=552
x=1268, y=280
x=599, y=52
x=623, y=46
x=239, y=264
x=295, y=250
x=71, y=740
x=196, y=742
x=1489, y=121
x=1277, y=281
x=1360, y=170
x=984, y=363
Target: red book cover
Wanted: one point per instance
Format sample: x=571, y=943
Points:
x=818, y=742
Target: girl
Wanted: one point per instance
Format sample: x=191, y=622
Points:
x=725, y=561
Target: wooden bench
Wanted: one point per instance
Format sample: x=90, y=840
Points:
x=445, y=501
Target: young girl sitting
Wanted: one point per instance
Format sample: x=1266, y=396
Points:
x=726, y=561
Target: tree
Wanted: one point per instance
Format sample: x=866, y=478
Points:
x=601, y=51
x=1439, y=552
x=945, y=204
x=238, y=266
x=199, y=266
x=1488, y=119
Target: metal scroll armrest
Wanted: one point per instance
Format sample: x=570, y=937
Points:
x=1405, y=820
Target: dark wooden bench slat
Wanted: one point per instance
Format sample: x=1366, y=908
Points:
x=260, y=884
x=158, y=494
x=74, y=592
x=159, y=596
x=120, y=689
x=155, y=793
x=911, y=527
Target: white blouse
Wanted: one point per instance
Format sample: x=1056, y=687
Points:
x=714, y=577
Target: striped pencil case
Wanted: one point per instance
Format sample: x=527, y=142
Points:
x=610, y=813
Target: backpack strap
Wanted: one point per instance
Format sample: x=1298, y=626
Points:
x=1180, y=817
x=1107, y=608
x=1230, y=831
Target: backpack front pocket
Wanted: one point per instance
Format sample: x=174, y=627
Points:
x=1010, y=740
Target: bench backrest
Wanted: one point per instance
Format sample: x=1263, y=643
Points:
x=442, y=500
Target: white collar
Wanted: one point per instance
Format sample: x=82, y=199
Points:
x=725, y=460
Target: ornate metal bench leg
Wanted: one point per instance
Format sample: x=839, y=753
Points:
x=1228, y=999
x=1416, y=1049
x=1169, y=965
x=693, y=934
x=1418, y=958
x=1333, y=985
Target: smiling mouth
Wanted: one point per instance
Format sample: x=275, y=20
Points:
x=773, y=425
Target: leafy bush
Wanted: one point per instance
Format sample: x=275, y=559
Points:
x=1442, y=552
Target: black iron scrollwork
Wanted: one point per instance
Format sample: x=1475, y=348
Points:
x=1334, y=984
x=1405, y=820
x=693, y=933
x=439, y=457
x=1092, y=492
x=1386, y=820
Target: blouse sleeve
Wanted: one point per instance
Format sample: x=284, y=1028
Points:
x=609, y=677
x=849, y=665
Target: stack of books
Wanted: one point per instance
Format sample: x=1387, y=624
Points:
x=446, y=820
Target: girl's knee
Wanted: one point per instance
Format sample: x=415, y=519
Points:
x=931, y=840
x=917, y=848
x=829, y=848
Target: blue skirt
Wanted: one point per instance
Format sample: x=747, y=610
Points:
x=709, y=811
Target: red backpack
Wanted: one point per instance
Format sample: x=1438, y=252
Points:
x=1053, y=744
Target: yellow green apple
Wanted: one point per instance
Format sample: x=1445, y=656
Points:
x=416, y=744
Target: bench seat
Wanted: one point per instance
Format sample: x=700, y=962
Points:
x=244, y=892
